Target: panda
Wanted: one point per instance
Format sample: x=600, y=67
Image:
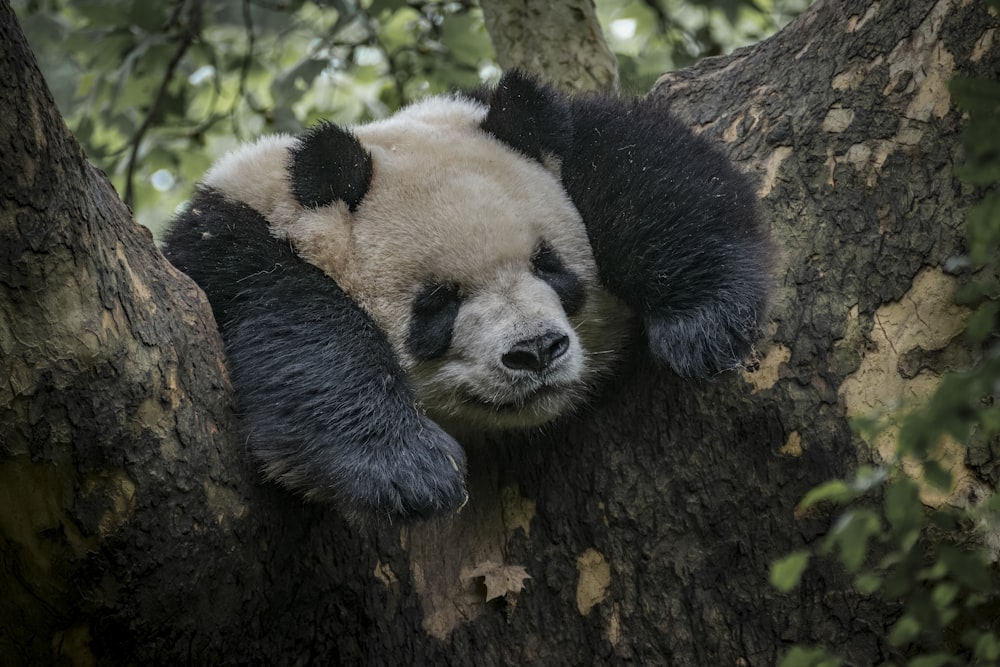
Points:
x=475, y=262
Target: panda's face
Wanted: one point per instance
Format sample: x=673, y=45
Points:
x=474, y=262
x=477, y=266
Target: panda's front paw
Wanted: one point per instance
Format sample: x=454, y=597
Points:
x=706, y=341
x=417, y=477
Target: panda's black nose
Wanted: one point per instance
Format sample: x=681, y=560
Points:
x=536, y=354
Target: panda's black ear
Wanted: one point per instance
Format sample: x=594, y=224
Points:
x=528, y=116
x=329, y=164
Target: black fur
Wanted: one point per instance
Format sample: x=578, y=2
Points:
x=530, y=118
x=325, y=406
x=672, y=224
x=548, y=266
x=674, y=231
x=433, y=320
x=329, y=164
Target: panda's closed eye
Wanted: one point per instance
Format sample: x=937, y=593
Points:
x=432, y=320
x=548, y=266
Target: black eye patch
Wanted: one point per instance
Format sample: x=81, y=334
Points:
x=548, y=266
x=432, y=320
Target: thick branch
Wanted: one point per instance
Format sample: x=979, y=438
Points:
x=561, y=41
x=133, y=531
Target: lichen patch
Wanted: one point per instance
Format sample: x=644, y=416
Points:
x=594, y=580
x=793, y=445
x=771, y=164
x=925, y=319
x=767, y=372
x=856, y=22
x=837, y=120
x=931, y=98
x=983, y=45
x=225, y=503
x=516, y=510
x=383, y=572
x=120, y=491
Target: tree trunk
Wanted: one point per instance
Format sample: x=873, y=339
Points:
x=133, y=529
x=560, y=41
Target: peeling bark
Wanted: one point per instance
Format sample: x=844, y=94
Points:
x=133, y=529
x=855, y=147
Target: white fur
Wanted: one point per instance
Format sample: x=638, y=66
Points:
x=447, y=202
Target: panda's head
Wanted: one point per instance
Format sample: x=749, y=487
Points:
x=462, y=246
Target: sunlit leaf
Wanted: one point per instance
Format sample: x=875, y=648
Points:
x=904, y=631
x=868, y=583
x=851, y=535
x=786, y=572
x=934, y=660
x=803, y=656
x=944, y=594
x=836, y=491
x=988, y=647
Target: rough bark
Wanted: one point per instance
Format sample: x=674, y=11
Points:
x=133, y=529
x=561, y=41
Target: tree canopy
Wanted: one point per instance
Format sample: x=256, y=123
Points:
x=176, y=84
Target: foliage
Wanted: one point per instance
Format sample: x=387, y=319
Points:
x=936, y=563
x=156, y=92
x=651, y=37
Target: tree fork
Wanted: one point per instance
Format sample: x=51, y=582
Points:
x=133, y=528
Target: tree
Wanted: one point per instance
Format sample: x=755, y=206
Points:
x=133, y=529
x=522, y=34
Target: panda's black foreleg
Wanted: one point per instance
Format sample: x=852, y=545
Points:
x=324, y=404
x=674, y=231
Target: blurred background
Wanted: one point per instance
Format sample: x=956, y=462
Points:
x=156, y=91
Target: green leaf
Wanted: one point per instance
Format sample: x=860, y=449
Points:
x=102, y=13
x=867, y=478
x=905, y=630
x=868, y=583
x=944, y=594
x=465, y=38
x=835, y=490
x=903, y=508
x=937, y=476
x=149, y=16
x=376, y=7
x=852, y=533
x=987, y=647
x=969, y=568
x=805, y=656
x=982, y=323
x=983, y=228
x=933, y=660
x=977, y=96
x=898, y=583
x=994, y=503
x=786, y=572
x=398, y=31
